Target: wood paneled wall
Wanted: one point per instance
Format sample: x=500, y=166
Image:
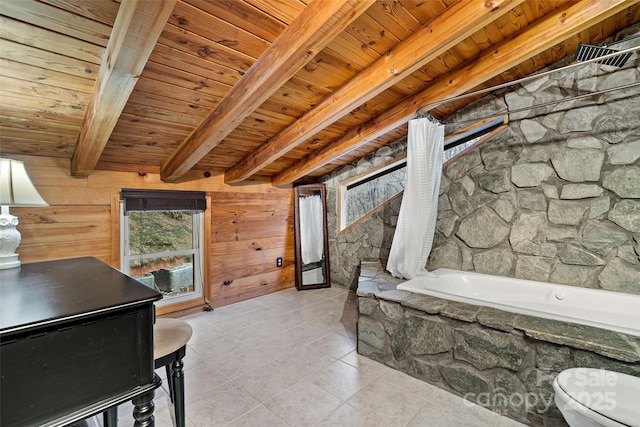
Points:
x=249, y=231
x=248, y=225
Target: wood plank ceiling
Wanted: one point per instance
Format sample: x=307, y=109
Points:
x=286, y=90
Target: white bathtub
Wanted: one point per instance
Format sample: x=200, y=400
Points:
x=593, y=307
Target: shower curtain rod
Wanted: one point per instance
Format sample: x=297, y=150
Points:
x=626, y=39
x=518, y=81
x=544, y=104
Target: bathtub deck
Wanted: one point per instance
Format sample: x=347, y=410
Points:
x=478, y=350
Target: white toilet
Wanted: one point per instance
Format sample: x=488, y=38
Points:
x=598, y=398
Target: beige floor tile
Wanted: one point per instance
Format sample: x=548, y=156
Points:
x=412, y=385
x=270, y=299
x=385, y=402
x=346, y=415
x=305, y=298
x=205, y=319
x=238, y=363
x=276, y=347
x=258, y=417
x=465, y=409
x=334, y=345
x=218, y=313
x=235, y=323
x=246, y=306
x=262, y=331
x=325, y=319
x=285, y=305
x=508, y=422
x=303, y=404
x=269, y=380
x=341, y=379
x=365, y=365
x=231, y=355
x=260, y=314
x=200, y=379
x=331, y=306
x=192, y=358
x=431, y=416
x=286, y=320
x=306, y=333
x=331, y=293
x=315, y=313
x=218, y=347
x=219, y=406
x=204, y=332
x=307, y=361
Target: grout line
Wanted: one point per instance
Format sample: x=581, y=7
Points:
x=417, y=412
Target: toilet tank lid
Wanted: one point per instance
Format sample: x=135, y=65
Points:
x=612, y=394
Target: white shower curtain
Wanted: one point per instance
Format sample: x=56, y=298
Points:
x=417, y=219
x=311, y=229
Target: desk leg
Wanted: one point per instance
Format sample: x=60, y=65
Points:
x=177, y=377
x=110, y=417
x=143, y=410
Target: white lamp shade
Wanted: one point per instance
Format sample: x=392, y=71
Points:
x=16, y=189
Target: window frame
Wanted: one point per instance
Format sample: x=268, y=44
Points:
x=482, y=129
x=343, y=188
x=197, y=252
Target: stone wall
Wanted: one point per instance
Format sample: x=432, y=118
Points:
x=500, y=360
x=372, y=236
x=553, y=197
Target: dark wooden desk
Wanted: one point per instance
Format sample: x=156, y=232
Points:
x=76, y=337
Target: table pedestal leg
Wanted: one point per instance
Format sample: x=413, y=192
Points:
x=143, y=410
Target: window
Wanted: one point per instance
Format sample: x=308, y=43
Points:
x=361, y=196
x=162, y=237
x=469, y=137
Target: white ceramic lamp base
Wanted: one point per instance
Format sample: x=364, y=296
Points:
x=9, y=241
x=9, y=261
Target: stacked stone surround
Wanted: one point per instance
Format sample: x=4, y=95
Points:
x=554, y=197
x=503, y=361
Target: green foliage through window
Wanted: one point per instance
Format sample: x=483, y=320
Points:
x=153, y=232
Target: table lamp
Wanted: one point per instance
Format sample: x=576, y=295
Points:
x=16, y=189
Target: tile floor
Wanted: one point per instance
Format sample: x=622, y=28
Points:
x=289, y=359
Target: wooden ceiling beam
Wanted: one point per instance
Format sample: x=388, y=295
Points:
x=133, y=37
x=316, y=26
x=536, y=38
x=455, y=24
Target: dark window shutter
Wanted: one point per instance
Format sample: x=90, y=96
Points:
x=163, y=200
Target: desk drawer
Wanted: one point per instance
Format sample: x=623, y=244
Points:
x=50, y=372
